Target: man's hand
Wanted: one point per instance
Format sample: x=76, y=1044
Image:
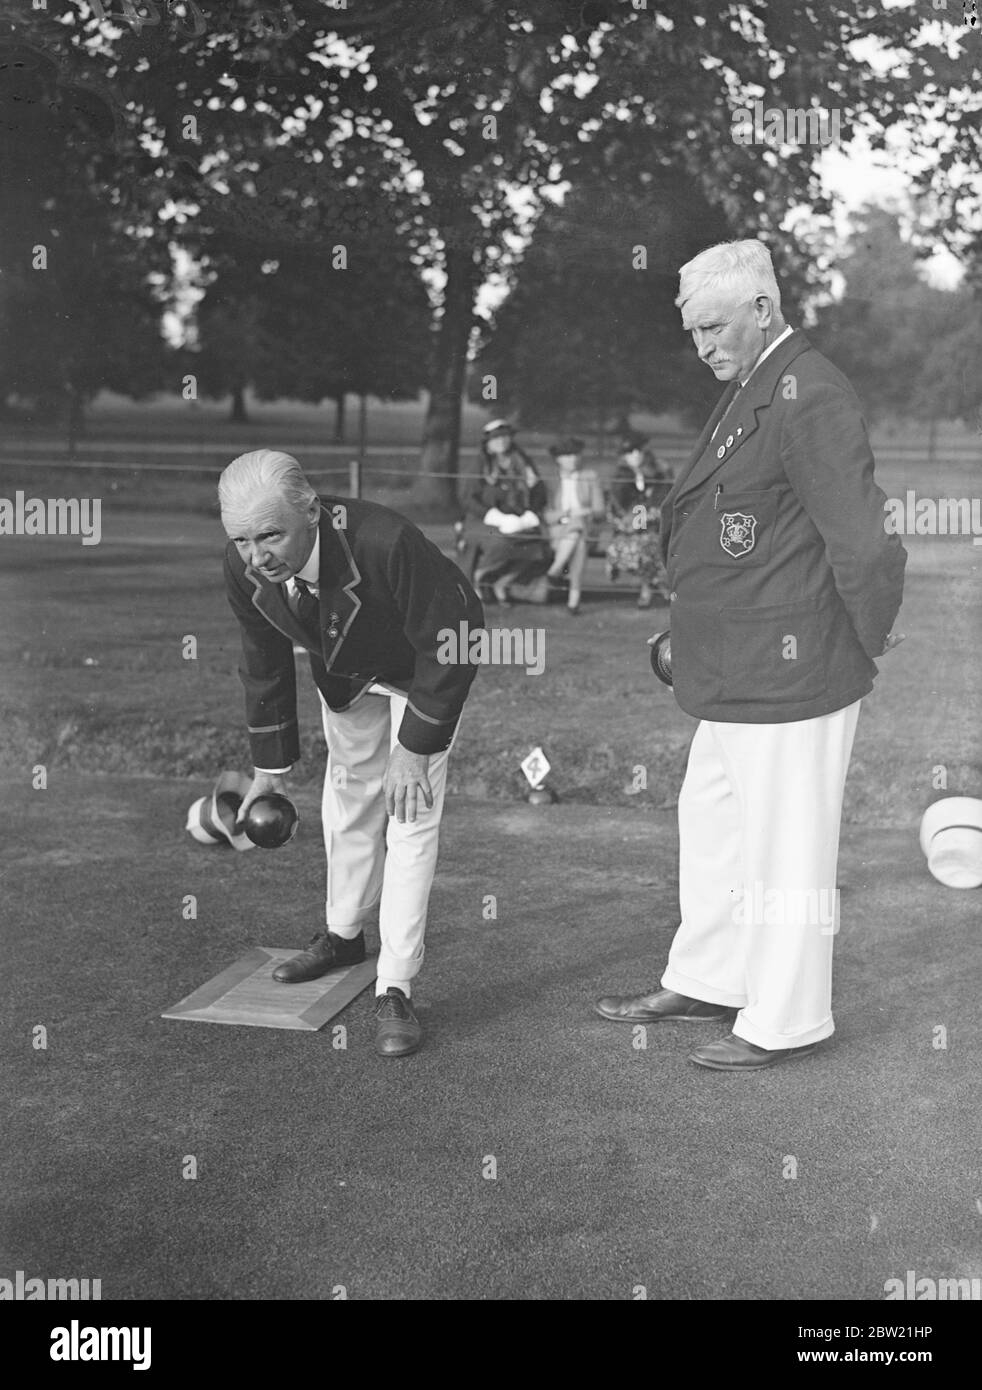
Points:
x=262, y=783
x=894, y=640
x=405, y=777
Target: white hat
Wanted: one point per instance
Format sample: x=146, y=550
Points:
x=211, y=819
x=951, y=837
x=498, y=427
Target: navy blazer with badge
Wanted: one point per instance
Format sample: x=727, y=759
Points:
x=386, y=592
x=785, y=583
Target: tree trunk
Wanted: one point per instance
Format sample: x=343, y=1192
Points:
x=436, y=483
x=339, y=403
x=238, y=414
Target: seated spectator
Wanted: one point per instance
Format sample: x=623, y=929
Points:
x=576, y=499
x=508, y=498
x=637, y=489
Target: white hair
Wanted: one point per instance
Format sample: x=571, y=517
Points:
x=745, y=267
x=264, y=474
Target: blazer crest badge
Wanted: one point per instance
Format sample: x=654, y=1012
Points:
x=738, y=533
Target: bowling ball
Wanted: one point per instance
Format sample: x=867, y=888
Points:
x=271, y=821
x=661, y=657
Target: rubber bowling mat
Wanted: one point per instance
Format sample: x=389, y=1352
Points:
x=247, y=994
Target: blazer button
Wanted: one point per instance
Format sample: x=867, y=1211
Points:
x=672, y=596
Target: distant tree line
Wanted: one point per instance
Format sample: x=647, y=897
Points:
x=344, y=184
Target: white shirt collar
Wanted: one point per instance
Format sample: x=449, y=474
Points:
x=311, y=572
x=767, y=352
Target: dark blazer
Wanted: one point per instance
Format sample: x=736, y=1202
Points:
x=784, y=581
x=386, y=594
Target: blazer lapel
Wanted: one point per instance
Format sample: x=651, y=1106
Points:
x=271, y=601
x=339, y=580
x=722, y=405
x=742, y=422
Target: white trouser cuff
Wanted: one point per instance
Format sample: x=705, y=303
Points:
x=698, y=989
x=775, y=1042
x=357, y=922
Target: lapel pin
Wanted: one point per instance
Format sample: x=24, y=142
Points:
x=739, y=431
x=332, y=631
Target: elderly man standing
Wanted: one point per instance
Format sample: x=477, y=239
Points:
x=785, y=586
x=367, y=595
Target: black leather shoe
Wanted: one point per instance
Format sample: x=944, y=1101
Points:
x=736, y=1054
x=327, y=951
x=397, y=1029
x=664, y=1006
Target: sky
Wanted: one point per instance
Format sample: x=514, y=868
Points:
x=855, y=175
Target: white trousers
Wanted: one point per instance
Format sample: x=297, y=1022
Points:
x=759, y=815
x=374, y=864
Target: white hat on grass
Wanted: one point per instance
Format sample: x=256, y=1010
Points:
x=951, y=837
x=211, y=819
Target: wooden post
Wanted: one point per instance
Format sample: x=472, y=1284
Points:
x=362, y=438
x=354, y=478
x=362, y=424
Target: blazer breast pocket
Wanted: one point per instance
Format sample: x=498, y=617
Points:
x=773, y=654
x=737, y=528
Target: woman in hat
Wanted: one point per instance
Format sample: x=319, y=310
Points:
x=509, y=498
x=576, y=499
x=637, y=489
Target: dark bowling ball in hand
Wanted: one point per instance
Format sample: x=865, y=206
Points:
x=661, y=657
x=271, y=821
